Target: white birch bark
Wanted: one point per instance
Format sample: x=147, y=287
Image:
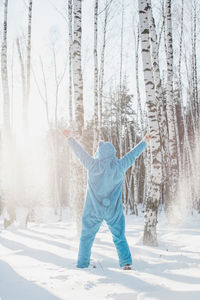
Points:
x=95, y=131
x=28, y=67
x=4, y=72
x=101, y=75
x=162, y=121
x=146, y=161
x=77, y=68
x=120, y=94
x=194, y=65
x=186, y=143
x=8, y=145
x=77, y=178
x=156, y=69
x=180, y=79
x=137, y=80
x=170, y=109
x=70, y=47
x=153, y=195
x=70, y=58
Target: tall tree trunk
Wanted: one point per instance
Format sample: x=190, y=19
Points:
x=153, y=195
x=120, y=94
x=70, y=58
x=194, y=63
x=27, y=97
x=28, y=68
x=7, y=145
x=186, y=144
x=137, y=79
x=137, y=41
x=77, y=68
x=77, y=170
x=162, y=121
x=70, y=49
x=101, y=75
x=4, y=73
x=195, y=101
x=96, y=135
x=170, y=109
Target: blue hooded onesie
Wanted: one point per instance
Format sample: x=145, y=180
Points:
x=103, y=199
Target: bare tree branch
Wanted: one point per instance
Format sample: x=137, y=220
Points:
x=58, y=11
x=108, y=4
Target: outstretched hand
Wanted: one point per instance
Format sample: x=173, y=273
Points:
x=67, y=133
x=147, y=138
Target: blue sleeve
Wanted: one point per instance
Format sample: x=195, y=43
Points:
x=128, y=159
x=78, y=150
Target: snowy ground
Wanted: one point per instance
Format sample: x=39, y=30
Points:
x=38, y=263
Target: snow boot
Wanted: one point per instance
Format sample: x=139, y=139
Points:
x=127, y=267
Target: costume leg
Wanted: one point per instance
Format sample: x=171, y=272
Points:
x=90, y=226
x=117, y=227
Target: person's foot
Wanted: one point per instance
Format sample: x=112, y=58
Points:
x=127, y=267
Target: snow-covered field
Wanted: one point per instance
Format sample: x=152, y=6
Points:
x=39, y=263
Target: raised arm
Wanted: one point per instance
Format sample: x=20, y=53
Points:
x=78, y=150
x=128, y=159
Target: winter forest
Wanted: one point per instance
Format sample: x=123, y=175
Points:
x=111, y=70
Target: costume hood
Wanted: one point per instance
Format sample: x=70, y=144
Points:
x=105, y=150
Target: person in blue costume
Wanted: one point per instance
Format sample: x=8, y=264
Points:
x=103, y=198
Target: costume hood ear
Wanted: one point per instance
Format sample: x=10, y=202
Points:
x=101, y=143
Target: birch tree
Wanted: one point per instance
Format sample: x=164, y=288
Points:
x=153, y=195
x=4, y=73
x=25, y=66
x=77, y=170
x=170, y=109
x=120, y=84
x=137, y=78
x=7, y=141
x=70, y=58
x=102, y=62
x=194, y=64
x=186, y=144
x=77, y=68
x=96, y=135
x=162, y=121
x=28, y=66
